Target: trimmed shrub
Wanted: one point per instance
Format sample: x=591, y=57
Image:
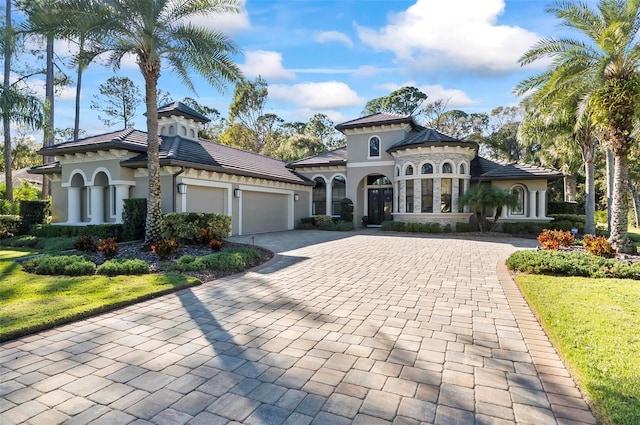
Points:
x=434, y=228
x=447, y=228
x=9, y=208
x=346, y=210
x=85, y=243
x=32, y=213
x=324, y=222
x=561, y=207
x=308, y=220
x=134, y=217
x=554, y=239
x=70, y=265
x=9, y=225
x=22, y=241
x=524, y=228
x=559, y=263
x=343, y=226
x=215, y=244
x=567, y=222
x=229, y=260
x=121, y=266
x=96, y=230
x=186, y=227
x=463, y=227
x=392, y=226
x=598, y=245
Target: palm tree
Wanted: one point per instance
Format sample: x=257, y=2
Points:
x=485, y=198
x=559, y=128
x=603, y=71
x=157, y=33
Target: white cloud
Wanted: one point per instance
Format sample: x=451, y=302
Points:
x=455, y=98
x=266, y=64
x=333, y=36
x=323, y=95
x=463, y=34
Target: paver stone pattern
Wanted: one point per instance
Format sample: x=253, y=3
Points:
x=365, y=329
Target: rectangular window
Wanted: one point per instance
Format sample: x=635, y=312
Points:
x=460, y=193
x=112, y=189
x=445, y=195
x=409, y=196
x=427, y=196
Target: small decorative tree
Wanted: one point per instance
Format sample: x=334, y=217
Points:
x=346, y=210
x=484, y=198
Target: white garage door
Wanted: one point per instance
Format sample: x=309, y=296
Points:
x=264, y=212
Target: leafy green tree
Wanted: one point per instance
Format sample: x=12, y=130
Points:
x=247, y=109
x=119, y=97
x=404, y=101
x=299, y=146
x=601, y=67
x=158, y=32
x=484, y=199
x=320, y=126
x=209, y=131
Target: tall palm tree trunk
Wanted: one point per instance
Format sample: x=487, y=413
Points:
x=590, y=201
x=6, y=119
x=81, y=66
x=620, y=206
x=49, y=127
x=610, y=165
x=151, y=73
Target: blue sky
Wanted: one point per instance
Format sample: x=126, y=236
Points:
x=333, y=56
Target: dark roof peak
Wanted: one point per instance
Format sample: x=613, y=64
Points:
x=430, y=137
x=379, y=118
x=181, y=109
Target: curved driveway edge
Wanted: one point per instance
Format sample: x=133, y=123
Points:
x=345, y=328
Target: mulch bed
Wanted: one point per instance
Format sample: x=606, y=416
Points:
x=135, y=249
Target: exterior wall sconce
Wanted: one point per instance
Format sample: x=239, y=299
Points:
x=182, y=188
x=236, y=193
x=296, y=197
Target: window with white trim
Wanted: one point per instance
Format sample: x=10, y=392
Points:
x=374, y=147
x=319, y=197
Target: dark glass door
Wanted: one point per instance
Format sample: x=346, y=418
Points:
x=380, y=205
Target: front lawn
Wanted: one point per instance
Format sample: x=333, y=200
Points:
x=595, y=325
x=31, y=302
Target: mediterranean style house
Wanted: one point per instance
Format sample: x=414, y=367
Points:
x=391, y=168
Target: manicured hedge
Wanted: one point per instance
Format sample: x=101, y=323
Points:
x=55, y=265
x=187, y=227
x=101, y=231
x=571, y=264
x=34, y=213
x=224, y=261
x=561, y=207
x=9, y=225
x=121, y=266
x=134, y=216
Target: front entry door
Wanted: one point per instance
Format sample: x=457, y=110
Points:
x=380, y=205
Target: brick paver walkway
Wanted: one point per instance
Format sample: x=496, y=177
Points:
x=368, y=329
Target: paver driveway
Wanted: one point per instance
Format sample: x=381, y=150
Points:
x=367, y=329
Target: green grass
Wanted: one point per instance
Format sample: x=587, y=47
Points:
x=10, y=254
x=595, y=324
x=29, y=302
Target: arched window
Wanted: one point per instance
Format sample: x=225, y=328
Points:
x=192, y=133
x=163, y=130
x=426, y=205
x=183, y=131
x=319, y=202
x=397, y=171
x=172, y=130
x=409, y=171
x=518, y=208
x=374, y=147
x=338, y=193
x=427, y=169
x=446, y=168
x=462, y=169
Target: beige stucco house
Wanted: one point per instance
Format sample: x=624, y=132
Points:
x=391, y=168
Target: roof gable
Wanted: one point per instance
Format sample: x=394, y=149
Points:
x=430, y=137
x=333, y=157
x=379, y=118
x=484, y=169
x=181, y=109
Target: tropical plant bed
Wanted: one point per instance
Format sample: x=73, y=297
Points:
x=135, y=250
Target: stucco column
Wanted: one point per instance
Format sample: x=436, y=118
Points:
x=533, y=194
x=417, y=196
x=97, y=204
x=122, y=193
x=396, y=192
x=542, y=203
x=329, y=200
x=466, y=187
x=455, y=185
x=74, y=206
x=437, y=194
x=503, y=213
x=403, y=196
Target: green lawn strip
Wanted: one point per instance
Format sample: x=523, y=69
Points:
x=30, y=303
x=11, y=253
x=595, y=325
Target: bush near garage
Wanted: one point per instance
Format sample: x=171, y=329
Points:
x=186, y=227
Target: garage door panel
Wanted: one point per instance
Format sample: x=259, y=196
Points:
x=205, y=199
x=264, y=212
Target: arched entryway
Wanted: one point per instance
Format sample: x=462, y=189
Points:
x=378, y=199
x=77, y=200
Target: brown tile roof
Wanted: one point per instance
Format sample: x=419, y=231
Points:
x=179, y=108
x=334, y=157
x=484, y=169
x=430, y=137
x=23, y=174
x=176, y=150
x=378, y=118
